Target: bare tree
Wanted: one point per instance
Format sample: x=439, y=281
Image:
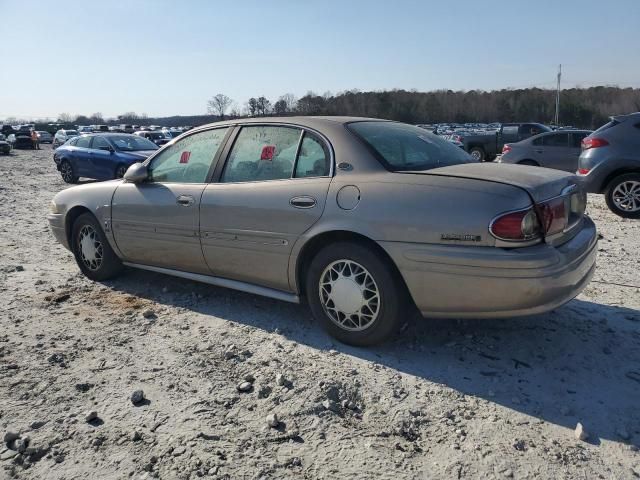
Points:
x=65, y=118
x=264, y=106
x=280, y=107
x=291, y=101
x=97, y=118
x=252, y=107
x=218, y=105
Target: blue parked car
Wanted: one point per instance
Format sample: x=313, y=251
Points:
x=101, y=156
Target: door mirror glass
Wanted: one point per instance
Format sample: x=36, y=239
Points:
x=136, y=173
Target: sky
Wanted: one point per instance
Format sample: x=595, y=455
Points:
x=169, y=57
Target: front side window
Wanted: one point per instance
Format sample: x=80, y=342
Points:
x=83, y=142
x=262, y=153
x=405, y=147
x=313, y=158
x=557, y=140
x=100, y=143
x=189, y=160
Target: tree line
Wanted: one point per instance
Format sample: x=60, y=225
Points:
x=579, y=107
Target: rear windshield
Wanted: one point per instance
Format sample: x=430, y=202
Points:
x=404, y=147
x=71, y=132
x=607, y=126
x=131, y=143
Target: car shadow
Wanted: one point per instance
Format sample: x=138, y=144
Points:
x=578, y=363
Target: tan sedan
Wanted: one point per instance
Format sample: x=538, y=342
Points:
x=360, y=217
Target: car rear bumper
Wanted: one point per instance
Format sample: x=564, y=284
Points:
x=56, y=224
x=489, y=282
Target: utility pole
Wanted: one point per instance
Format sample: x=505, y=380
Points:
x=557, y=121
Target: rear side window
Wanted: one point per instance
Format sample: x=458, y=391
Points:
x=262, y=153
x=404, y=147
x=313, y=158
x=83, y=142
x=556, y=140
x=576, y=139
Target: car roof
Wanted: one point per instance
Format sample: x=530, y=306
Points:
x=303, y=121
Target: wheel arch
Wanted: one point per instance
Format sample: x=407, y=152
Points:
x=70, y=218
x=528, y=161
x=616, y=173
x=314, y=244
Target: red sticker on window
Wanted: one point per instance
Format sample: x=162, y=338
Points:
x=268, y=151
x=184, y=157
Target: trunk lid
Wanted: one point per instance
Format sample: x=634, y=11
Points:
x=540, y=183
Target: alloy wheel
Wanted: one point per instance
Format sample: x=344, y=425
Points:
x=90, y=248
x=67, y=172
x=626, y=196
x=349, y=295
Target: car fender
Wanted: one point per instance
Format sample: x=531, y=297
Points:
x=94, y=197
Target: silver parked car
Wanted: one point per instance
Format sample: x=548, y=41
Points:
x=62, y=136
x=557, y=149
x=360, y=217
x=610, y=164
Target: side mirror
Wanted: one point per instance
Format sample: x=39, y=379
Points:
x=136, y=173
x=106, y=149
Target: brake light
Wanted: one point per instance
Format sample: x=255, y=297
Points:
x=521, y=225
x=589, y=142
x=506, y=149
x=583, y=171
x=553, y=215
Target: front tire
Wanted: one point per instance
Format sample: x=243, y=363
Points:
x=355, y=294
x=623, y=195
x=92, y=251
x=67, y=172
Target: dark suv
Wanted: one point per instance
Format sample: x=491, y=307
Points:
x=610, y=164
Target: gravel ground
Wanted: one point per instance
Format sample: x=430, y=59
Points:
x=237, y=386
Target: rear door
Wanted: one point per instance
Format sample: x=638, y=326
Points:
x=556, y=152
x=575, y=149
x=156, y=222
x=272, y=189
x=79, y=154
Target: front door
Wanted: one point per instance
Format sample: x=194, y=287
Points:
x=157, y=222
x=102, y=159
x=80, y=157
x=272, y=189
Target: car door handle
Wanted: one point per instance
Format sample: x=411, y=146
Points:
x=303, y=202
x=185, y=200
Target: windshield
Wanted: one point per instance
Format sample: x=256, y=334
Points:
x=156, y=135
x=405, y=147
x=132, y=143
x=71, y=133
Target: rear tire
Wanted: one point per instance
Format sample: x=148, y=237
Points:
x=92, y=251
x=478, y=154
x=355, y=294
x=120, y=171
x=622, y=195
x=67, y=172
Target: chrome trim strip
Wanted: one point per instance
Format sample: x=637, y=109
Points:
x=222, y=282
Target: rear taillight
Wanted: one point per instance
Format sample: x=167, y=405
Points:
x=521, y=225
x=547, y=218
x=583, y=171
x=595, y=142
x=506, y=149
x=553, y=215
